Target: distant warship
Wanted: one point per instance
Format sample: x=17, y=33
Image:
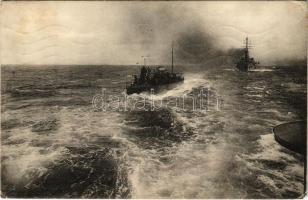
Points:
x=246, y=63
x=153, y=78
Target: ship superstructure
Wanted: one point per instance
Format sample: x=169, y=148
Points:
x=151, y=78
x=246, y=62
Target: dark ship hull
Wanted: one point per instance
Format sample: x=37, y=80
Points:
x=153, y=78
x=139, y=88
x=245, y=66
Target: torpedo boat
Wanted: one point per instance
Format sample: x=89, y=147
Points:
x=153, y=78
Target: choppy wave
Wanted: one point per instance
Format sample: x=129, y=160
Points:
x=83, y=140
x=56, y=146
x=191, y=81
x=277, y=168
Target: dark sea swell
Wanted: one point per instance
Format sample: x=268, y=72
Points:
x=55, y=144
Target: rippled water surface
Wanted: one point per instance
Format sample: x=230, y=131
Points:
x=55, y=144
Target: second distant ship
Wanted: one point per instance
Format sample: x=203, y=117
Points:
x=246, y=63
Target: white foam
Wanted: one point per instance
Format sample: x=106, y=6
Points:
x=254, y=95
x=261, y=70
x=191, y=81
x=271, y=151
x=28, y=154
x=230, y=69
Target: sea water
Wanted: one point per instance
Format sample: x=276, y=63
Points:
x=54, y=143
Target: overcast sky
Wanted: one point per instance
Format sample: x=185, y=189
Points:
x=122, y=32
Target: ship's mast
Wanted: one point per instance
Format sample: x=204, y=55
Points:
x=246, y=50
x=172, y=58
x=246, y=42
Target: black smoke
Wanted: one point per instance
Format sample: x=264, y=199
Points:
x=169, y=24
x=166, y=24
x=195, y=46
